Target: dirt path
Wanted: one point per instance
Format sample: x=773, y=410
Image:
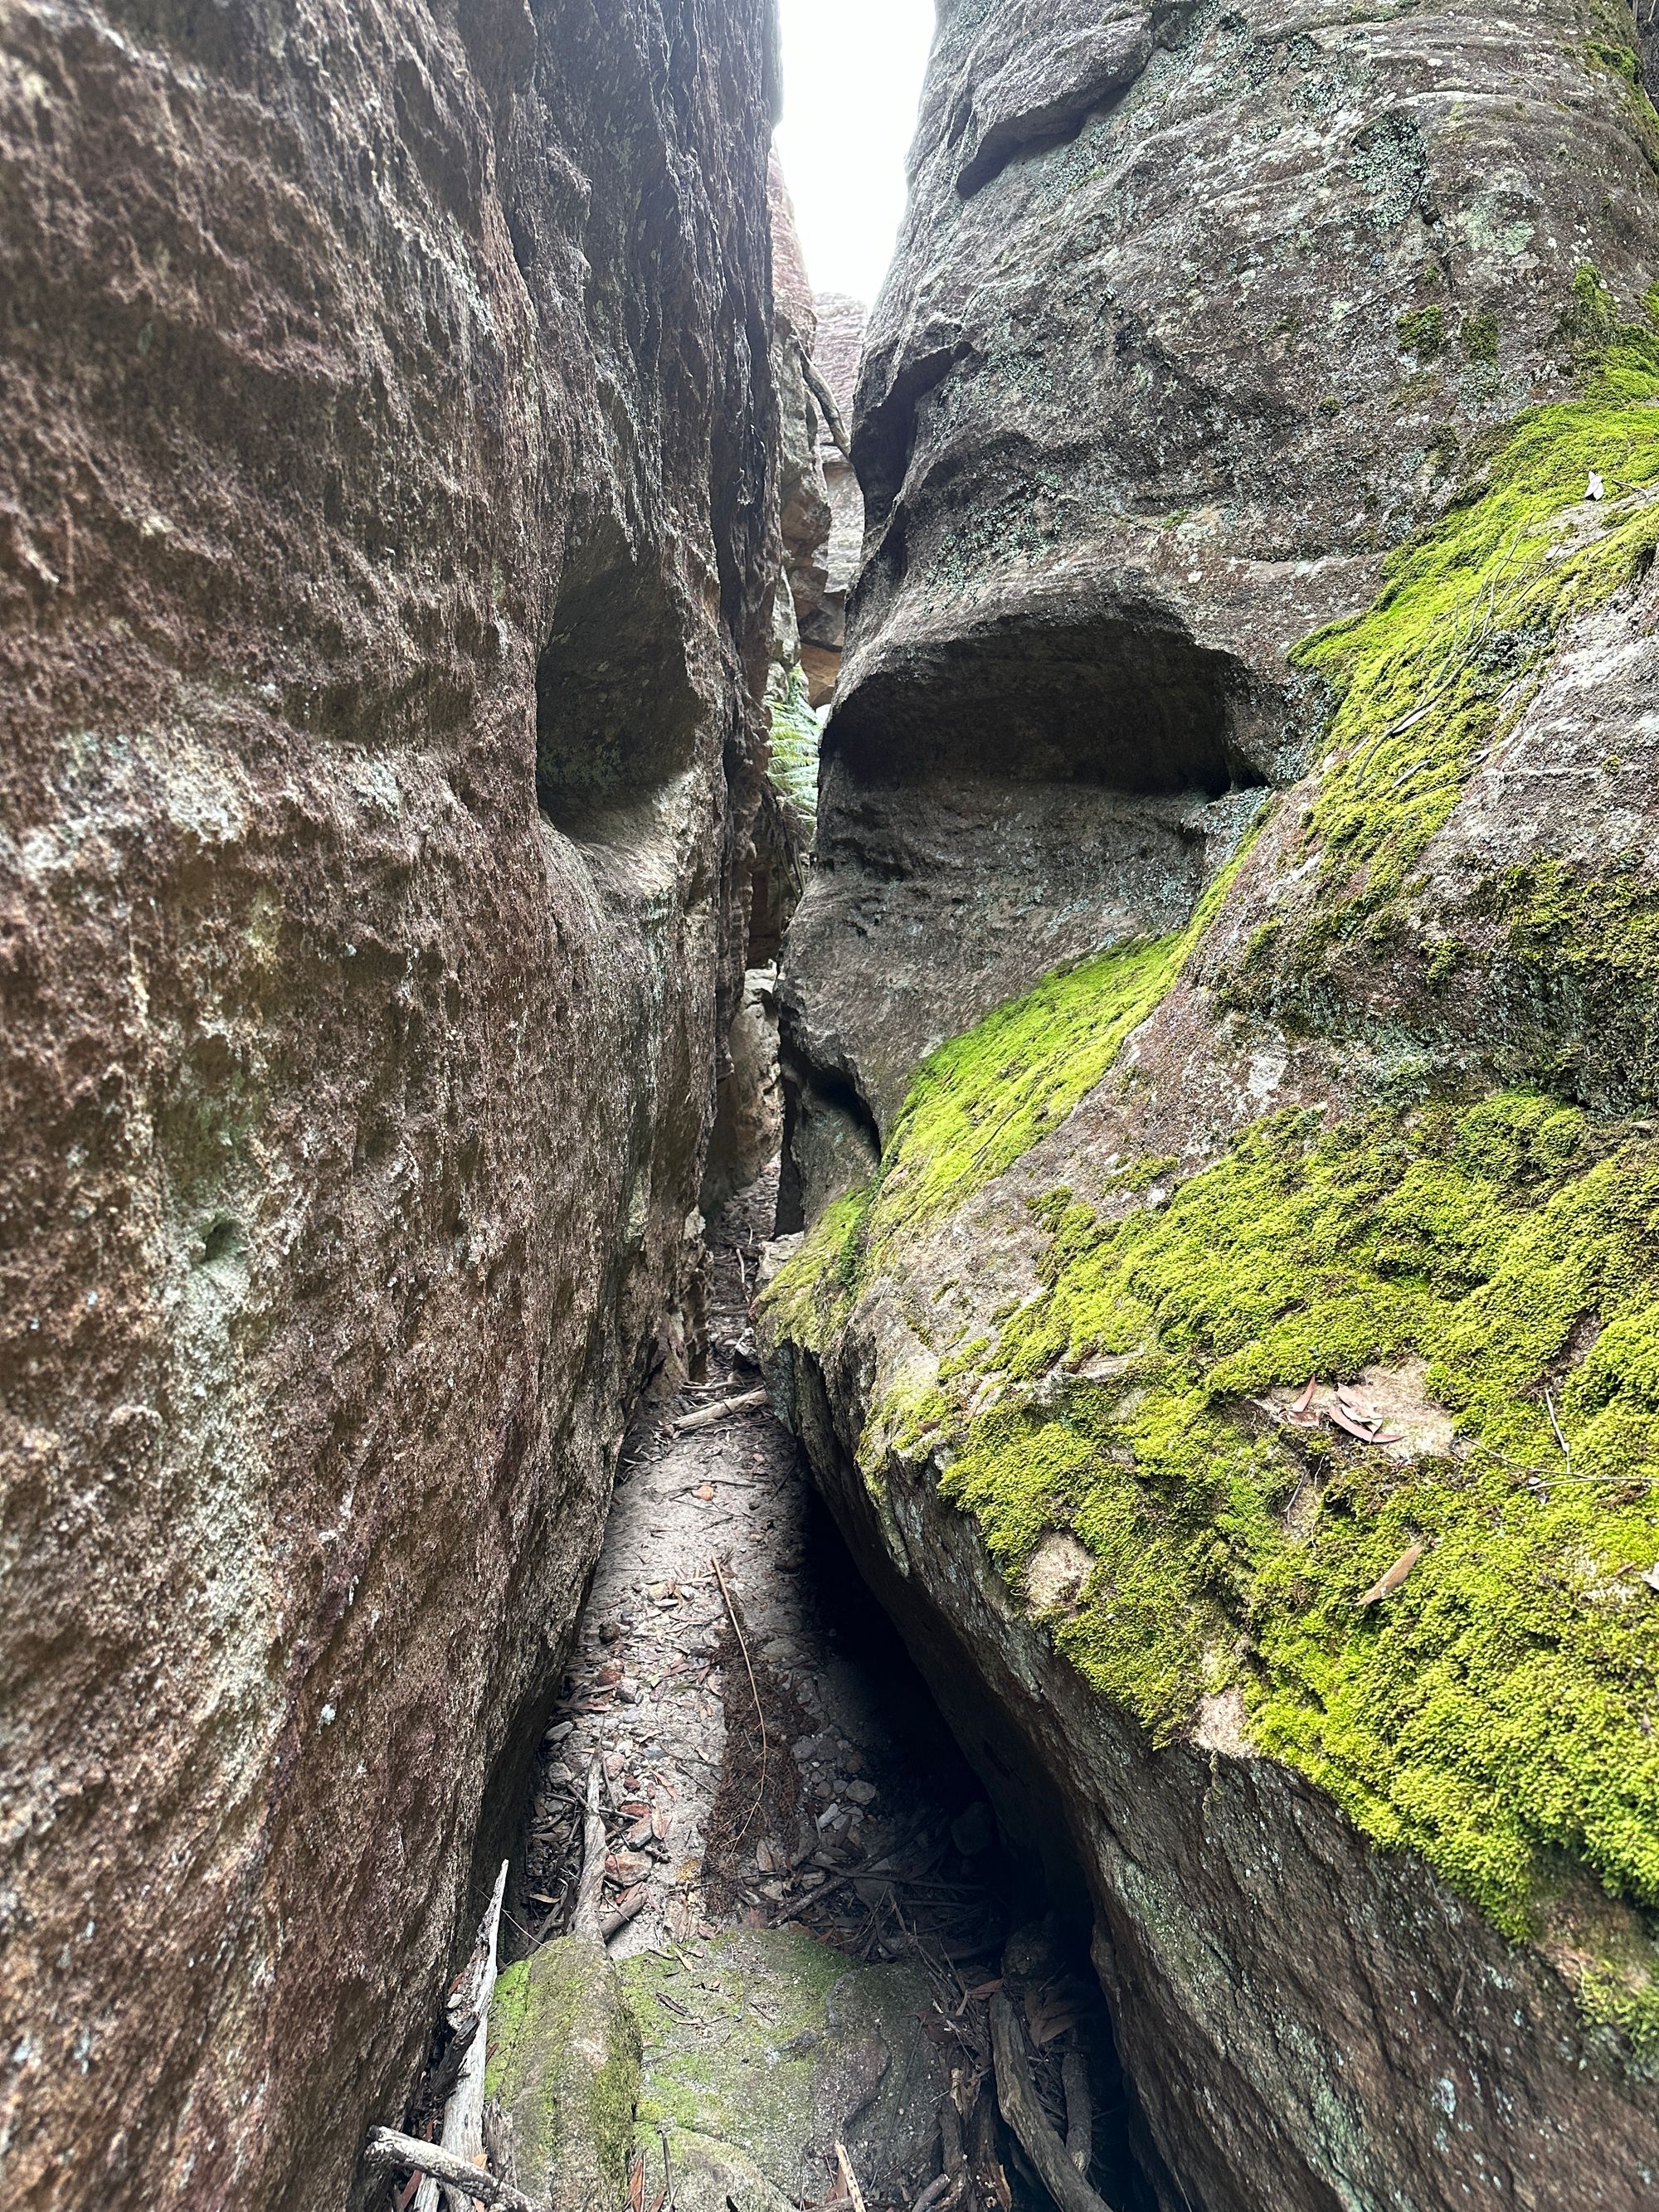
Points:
x=744, y=1779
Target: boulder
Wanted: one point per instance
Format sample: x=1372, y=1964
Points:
x=563, y=2075
x=763, y=2049
x=386, y=566
x=1218, y=1042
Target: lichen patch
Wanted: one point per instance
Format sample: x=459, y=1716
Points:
x=1056, y=1573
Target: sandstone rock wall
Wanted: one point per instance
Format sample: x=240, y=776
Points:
x=835, y=356
x=386, y=564
x=1256, y=646
x=1195, y=313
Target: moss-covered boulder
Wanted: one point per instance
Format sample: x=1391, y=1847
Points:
x=564, y=2069
x=762, y=2049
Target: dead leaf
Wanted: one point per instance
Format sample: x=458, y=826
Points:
x=1356, y=1405
x=1307, y=1397
x=1394, y=1578
x=1050, y=2011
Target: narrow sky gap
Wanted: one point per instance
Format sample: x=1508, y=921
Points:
x=852, y=76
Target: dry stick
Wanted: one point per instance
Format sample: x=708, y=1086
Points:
x=747, y=1401
x=462, y=2129
x=1080, y=2112
x=613, y=1922
x=849, y=2177
x=954, y=2157
x=386, y=2151
x=1566, y=1452
x=1035, y=2132
x=584, y=1920
x=754, y=1692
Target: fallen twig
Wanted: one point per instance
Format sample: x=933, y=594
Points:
x=584, y=1919
x=462, y=2129
x=387, y=2152
x=746, y=1401
x=953, y=2156
x=849, y=2177
x=1035, y=2132
x=613, y=1922
x=754, y=1692
x=1566, y=1450
x=1080, y=2109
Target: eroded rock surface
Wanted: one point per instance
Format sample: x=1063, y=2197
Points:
x=837, y=351
x=386, y=568
x=762, y=2049
x=1195, y=313
x=1260, y=426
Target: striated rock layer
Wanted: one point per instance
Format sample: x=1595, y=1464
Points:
x=387, y=560
x=1260, y=434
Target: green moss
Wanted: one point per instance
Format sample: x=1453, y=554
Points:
x=1626, y=2002
x=1479, y=337
x=975, y=1105
x=1444, y=662
x=1501, y=1708
x=1612, y=55
x=983, y=1100
x=733, y=2055
x=506, y=2018
x=812, y=1293
x=1619, y=59
x=1586, y=942
x=793, y=761
x=569, y=2115
x=1423, y=332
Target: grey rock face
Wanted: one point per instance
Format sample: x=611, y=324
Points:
x=387, y=558
x=1150, y=398
x=835, y=354
x=1197, y=311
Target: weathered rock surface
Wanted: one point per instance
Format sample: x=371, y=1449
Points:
x=1146, y=405
x=1211, y=328
x=761, y=2050
x=803, y=508
x=835, y=354
x=748, y=1114
x=563, y=2074
x=386, y=566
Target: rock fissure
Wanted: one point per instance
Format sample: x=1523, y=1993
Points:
x=885, y=1193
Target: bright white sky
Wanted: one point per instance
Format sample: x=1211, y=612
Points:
x=852, y=76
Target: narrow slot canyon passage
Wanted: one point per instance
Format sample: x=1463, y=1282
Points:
x=830, y=1106
x=805, y=1891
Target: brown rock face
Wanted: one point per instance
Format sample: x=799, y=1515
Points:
x=386, y=555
